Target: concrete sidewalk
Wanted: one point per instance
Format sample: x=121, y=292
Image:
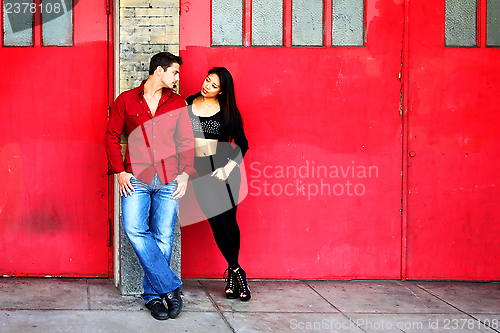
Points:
x=94, y=306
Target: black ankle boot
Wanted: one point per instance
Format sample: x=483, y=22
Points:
x=241, y=277
x=232, y=284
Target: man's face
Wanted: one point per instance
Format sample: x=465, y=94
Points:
x=170, y=77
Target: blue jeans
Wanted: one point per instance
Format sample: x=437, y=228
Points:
x=152, y=242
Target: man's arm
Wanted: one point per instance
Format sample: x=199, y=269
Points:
x=184, y=143
x=113, y=145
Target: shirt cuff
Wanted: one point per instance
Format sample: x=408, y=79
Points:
x=190, y=171
x=112, y=171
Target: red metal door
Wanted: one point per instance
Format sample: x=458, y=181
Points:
x=452, y=151
x=54, y=197
x=325, y=133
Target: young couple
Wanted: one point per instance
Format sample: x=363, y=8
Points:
x=167, y=144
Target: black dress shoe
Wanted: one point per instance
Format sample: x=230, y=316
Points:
x=158, y=310
x=174, y=302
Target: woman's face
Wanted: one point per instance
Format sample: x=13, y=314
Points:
x=211, y=86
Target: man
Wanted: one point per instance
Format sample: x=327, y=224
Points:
x=154, y=175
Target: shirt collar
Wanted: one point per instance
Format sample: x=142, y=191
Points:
x=165, y=95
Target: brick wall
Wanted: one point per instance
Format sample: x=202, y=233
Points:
x=146, y=28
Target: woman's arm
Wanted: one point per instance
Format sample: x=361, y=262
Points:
x=241, y=142
x=235, y=156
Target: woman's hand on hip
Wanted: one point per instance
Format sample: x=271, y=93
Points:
x=223, y=173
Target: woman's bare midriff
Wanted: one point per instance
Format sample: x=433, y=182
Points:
x=205, y=147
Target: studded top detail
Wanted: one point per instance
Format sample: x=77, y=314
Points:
x=206, y=127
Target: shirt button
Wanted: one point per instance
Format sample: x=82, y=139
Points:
x=154, y=137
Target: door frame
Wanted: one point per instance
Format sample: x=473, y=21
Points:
x=404, y=149
x=113, y=189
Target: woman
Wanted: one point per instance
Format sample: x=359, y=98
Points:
x=217, y=123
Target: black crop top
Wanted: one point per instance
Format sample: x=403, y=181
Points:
x=205, y=127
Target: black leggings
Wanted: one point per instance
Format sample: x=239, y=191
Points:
x=218, y=201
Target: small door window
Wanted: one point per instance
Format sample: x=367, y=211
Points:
x=307, y=22
x=348, y=23
x=267, y=22
x=472, y=23
x=17, y=23
x=21, y=16
x=227, y=22
x=57, y=23
x=460, y=23
x=493, y=23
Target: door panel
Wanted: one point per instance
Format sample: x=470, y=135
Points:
x=309, y=109
x=453, y=120
x=54, y=206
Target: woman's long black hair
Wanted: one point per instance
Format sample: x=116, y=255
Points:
x=227, y=100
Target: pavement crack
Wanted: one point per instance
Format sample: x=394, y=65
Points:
x=217, y=307
x=458, y=309
x=88, y=295
x=336, y=308
x=414, y=294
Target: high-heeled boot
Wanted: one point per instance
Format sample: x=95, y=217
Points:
x=241, y=277
x=232, y=284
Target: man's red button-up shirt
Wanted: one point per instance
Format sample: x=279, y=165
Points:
x=163, y=143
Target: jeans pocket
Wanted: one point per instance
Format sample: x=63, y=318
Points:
x=137, y=182
x=171, y=186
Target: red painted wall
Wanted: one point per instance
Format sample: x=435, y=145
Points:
x=305, y=108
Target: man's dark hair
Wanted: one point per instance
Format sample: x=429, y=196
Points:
x=163, y=59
